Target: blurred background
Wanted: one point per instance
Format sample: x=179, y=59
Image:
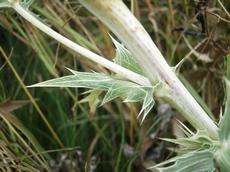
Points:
x=56, y=129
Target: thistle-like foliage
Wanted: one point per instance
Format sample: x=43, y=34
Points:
x=125, y=58
x=192, y=162
x=199, y=152
x=114, y=87
x=129, y=91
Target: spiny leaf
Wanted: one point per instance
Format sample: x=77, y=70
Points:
x=124, y=58
x=80, y=80
x=185, y=129
x=224, y=131
x=125, y=89
x=199, y=141
x=129, y=91
x=147, y=104
x=191, y=162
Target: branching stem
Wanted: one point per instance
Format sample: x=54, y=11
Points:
x=79, y=49
x=122, y=22
x=129, y=30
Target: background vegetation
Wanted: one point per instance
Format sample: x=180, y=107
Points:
x=62, y=129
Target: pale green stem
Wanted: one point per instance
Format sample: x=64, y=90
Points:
x=119, y=19
x=126, y=27
x=81, y=50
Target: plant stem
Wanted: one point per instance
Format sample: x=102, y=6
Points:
x=81, y=50
x=120, y=20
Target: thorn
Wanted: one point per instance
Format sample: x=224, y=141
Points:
x=176, y=69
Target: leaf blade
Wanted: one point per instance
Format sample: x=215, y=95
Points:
x=129, y=91
x=124, y=58
x=192, y=162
